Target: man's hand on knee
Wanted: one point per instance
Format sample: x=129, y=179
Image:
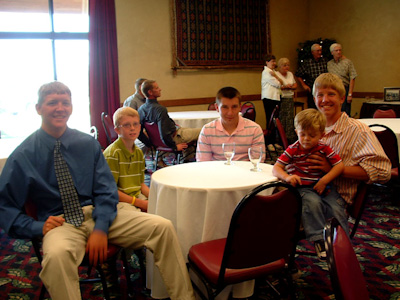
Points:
x=96, y=247
x=51, y=223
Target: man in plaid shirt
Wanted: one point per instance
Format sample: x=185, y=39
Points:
x=309, y=70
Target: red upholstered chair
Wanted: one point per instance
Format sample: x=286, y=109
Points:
x=158, y=144
x=113, y=252
x=388, y=140
x=93, y=132
x=108, y=126
x=269, y=133
x=384, y=112
x=281, y=133
x=356, y=209
x=211, y=106
x=347, y=279
x=261, y=241
x=248, y=111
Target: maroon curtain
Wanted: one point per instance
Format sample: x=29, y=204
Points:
x=103, y=63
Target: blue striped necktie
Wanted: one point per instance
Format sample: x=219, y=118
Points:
x=73, y=212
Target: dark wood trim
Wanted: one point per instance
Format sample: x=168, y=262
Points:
x=207, y=100
x=376, y=95
x=255, y=97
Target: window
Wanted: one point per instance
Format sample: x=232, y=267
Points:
x=42, y=41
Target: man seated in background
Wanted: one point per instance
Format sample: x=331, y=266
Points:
x=229, y=128
x=64, y=174
x=172, y=135
x=137, y=99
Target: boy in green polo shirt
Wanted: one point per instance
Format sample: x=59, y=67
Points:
x=126, y=161
x=127, y=165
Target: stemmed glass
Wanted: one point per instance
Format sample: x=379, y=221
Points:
x=229, y=152
x=255, y=155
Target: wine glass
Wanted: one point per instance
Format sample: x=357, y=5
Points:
x=255, y=155
x=229, y=152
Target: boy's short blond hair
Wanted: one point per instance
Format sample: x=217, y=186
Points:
x=328, y=80
x=125, y=111
x=54, y=87
x=310, y=119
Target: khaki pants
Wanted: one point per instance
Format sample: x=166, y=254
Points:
x=64, y=249
x=187, y=135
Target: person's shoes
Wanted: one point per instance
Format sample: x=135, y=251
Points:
x=295, y=272
x=161, y=164
x=279, y=147
x=320, y=249
x=271, y=148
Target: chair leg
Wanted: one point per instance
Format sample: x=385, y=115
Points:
x=103, y=282
x=178, y=158
x=140, y=253
x=125, y=264
x=42, y=292
x=156, y=161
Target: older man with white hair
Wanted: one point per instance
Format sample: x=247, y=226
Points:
x=344, y=68
x=309, y=70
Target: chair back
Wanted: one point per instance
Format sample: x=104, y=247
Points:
x=274, y=115
x=93, y=132
x=248, y=111
x=356, y=209
x=154, y=135
x=263, y=229
x=384, y=112
x=211, y=106
x=347, y=279
x=108, y=126
x=270, y=131
x=388, y=140
x=282, y=133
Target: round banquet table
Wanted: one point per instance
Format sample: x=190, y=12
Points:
x=193, y=119
x=199, y=199
x=392, y=123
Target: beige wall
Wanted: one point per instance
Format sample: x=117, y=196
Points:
x=369, y=32
x=145, y=50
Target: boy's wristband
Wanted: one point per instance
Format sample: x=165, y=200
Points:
x=133, y=200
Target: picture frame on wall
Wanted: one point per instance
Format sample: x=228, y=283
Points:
x=392, y=93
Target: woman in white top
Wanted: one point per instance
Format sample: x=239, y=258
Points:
x=286, y=111
x=270, y=86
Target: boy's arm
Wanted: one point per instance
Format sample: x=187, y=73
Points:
x=145, y=190
x=279, y=171
x=139, y=203
x=328, y=177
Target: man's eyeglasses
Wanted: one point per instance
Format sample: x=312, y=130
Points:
x=129, y=125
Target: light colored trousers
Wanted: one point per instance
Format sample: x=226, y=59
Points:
x=64, y=249
x=187, y=135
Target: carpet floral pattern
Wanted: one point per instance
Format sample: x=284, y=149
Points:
x=377, y=244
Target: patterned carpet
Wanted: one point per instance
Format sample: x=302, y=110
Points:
x=377, y=244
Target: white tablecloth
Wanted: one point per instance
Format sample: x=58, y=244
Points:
x=392, y=123
x=7, y=146
x=199, y=198
x=193, y=119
